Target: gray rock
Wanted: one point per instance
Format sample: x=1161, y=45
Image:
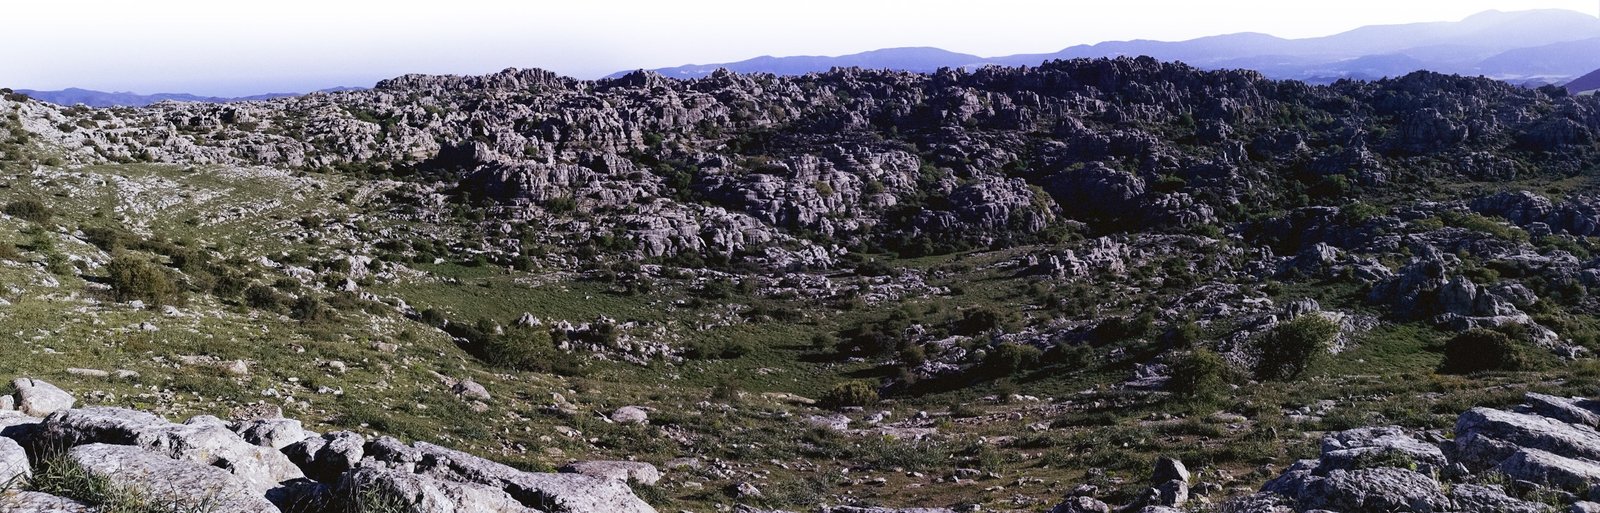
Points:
x=1168, y=469
x=204, y=440
x=35, y=502
x=1471, y=497
x=274, y=433
x=1376, y=490
x=884, y=510
x=1566, y=410
x=555, y=493
x=630, y=415
x=418, y=493
x=469, y=389
x=17, y=426
x=1345, y=448
x=14, y=466
x=1482, y=435
x=1081, y=505
x=38, y=398
x=1536, y=466
x=1584, y=507
x=623, y=471
x=1172, y=493
x=7, y=403
x=1259, y=503
x=183, y=484
x=326, y=457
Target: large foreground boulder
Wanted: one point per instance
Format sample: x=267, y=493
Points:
x=203, y=440
x=184, y=485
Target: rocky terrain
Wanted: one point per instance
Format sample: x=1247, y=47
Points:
x=976, y=290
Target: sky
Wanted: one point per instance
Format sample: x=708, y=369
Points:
x=232, y=48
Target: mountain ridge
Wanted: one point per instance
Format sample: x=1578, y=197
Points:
x=1462, y=47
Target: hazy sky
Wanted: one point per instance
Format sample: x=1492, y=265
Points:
x=222, y=47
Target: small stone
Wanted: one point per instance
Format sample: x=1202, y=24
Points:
x=89, y=373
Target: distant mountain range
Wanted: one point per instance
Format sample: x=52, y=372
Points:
x=1536, y=46
x=74, y=96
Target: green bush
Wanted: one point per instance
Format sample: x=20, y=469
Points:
x=980, y=320
x=134, y=278
x=850, y=393
x=28, y=209
x=1288, y=350
x=1479, y=349
x=1008, y=359
x=1200, y=375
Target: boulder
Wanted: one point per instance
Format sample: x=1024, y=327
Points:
x=274, y=433
x=1375, y=490
x=469, y=389
x=1347, y=449
x=14, y=466
x=1081, y=505
x=1482, y=435
x=205, y=440
x=1472, y=497
x=1571, y=411
x=383, y=489
x=182, y=484
x=38, y=398
x=1168, y=469
x=326, y=457
x=17, y=426
x=1536, y=466
x=623, y=471
x=555, y=493
x=630, y=415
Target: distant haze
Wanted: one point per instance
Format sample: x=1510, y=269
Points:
x=214, y=48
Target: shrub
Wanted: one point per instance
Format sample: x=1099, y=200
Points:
x=850, y=393
x=309, y=309
x=1007, y=359
x=1479, y=349
x=1198, y=376
x=1291, y=348
x=28, y=209
x=980, y=320
x=264, y=298
x=1123, y=328
x=135, y=278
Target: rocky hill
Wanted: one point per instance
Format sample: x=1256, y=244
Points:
x=972, y=290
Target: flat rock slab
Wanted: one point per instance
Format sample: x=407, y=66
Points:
x=623, y=471
x=35, y=502
x=186, y=485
